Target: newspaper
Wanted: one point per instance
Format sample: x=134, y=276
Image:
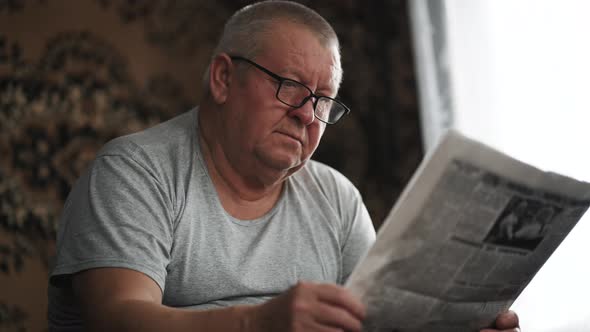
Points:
x=466, y=236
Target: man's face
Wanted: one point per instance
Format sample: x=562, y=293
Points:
x=263, y=133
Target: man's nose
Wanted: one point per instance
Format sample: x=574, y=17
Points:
x=305, y=113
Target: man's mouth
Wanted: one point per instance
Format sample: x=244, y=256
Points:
x=292, y=136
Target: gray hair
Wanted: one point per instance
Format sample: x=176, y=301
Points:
x=245, y=30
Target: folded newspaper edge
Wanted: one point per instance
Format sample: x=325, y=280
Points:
x=468, y=233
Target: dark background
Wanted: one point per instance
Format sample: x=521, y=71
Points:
x=74, y=74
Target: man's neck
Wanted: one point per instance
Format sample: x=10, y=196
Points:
x=244, y=196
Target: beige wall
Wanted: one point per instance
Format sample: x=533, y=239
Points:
x=74, y=74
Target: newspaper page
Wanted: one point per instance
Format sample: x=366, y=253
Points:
x=467, y=235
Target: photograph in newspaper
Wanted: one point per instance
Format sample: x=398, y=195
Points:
x=475, y=243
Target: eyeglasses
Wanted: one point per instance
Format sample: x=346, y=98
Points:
x=296, y=94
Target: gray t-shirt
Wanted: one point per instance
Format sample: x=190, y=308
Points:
x=147, y=203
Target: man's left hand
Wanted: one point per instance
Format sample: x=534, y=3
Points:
x=505, y=322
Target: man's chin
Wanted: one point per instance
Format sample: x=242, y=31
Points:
x=281, y=161
x=284, y=165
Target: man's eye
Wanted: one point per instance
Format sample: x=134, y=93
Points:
x=291, y=84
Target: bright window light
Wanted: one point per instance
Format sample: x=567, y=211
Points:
x=519, y=75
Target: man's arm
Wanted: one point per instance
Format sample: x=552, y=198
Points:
x=116, y=299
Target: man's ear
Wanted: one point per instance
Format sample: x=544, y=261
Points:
x=220, y=75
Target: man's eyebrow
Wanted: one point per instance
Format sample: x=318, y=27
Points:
x=326, y=91
x=293, y=73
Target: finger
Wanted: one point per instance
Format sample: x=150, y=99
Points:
x=330, y=315
x=315, y=326
x=507, y=320
x=341, y=297
x=320, y=328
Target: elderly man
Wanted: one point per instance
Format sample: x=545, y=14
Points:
x=210, y=221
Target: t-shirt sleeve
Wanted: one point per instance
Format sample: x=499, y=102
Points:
x=117, y=215
x=360, y=234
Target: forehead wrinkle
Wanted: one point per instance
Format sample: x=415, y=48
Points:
x=296, y=64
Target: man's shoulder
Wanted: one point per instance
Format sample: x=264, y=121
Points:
x=157, y=141
x=318, y=168
x=325, y=177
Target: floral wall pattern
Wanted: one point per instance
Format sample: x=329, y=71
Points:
x=75, y=74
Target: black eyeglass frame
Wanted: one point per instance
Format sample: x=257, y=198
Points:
x=281, y=79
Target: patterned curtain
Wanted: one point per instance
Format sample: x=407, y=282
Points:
x=75, y=74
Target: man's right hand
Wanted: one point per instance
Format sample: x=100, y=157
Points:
x=310, y=307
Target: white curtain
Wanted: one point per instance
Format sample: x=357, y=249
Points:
x=518, y=75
